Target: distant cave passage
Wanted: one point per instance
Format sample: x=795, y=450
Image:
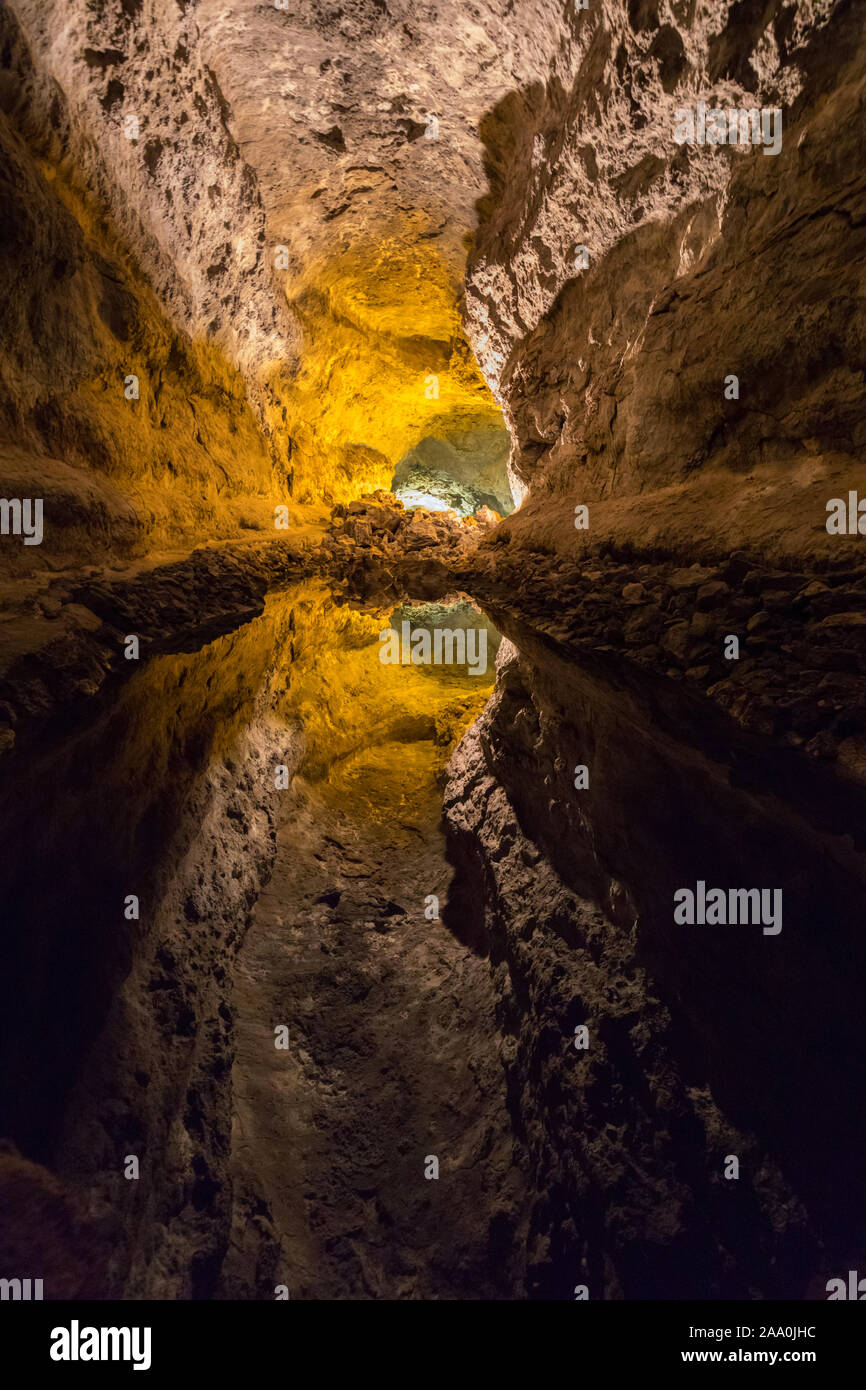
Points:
x=466, y=471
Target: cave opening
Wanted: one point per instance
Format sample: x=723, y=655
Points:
x=461, y=472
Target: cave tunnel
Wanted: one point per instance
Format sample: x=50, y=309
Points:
x=432, y=661
x=462, y=472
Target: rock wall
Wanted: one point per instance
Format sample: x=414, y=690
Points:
x=703, y=1042
x=368, y=158
x=117, y=1019
x=123, y=97
x=122, y=398
x=294, y=224
x=685, y=401
x=306, y=225
x=704, y=261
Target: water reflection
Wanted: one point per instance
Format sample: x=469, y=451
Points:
x=119, y=807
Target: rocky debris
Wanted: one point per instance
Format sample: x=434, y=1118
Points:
x=377, y=544
x=800, y=676
x=78, y=640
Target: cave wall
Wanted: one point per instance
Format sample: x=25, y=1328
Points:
x=184, y=461
x=384, y=364
x=703, y=261
x=706, y=511
x=374, y=205
x=117, y=1024
x=703, y=1041
x=467, y=470
x=298, y=230
x=96, y=299
x=300, y=225
x=706, y=517
x=180, y=192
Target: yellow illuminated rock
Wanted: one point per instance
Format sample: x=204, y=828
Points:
x=370, y=729
x=384, y=364
x=115, y=402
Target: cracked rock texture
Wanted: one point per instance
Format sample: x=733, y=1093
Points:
x=133, y=382
x=313, y=176
x=702, y=1042
x=704, y=261
x=175, y=185
x=333, y=245
x=133, y=1052
x=706, y=265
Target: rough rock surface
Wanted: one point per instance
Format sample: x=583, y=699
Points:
x=255, y=226
x=703, y=1042
x=175, y=185
x=799, y=674
x=464, y=471
x=117, y=1020
x=326, y=183
x=704, y=261
x=368, y=158
x=393, y=1056
x=264, y=215
x=378, y=546
x=141, y=340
